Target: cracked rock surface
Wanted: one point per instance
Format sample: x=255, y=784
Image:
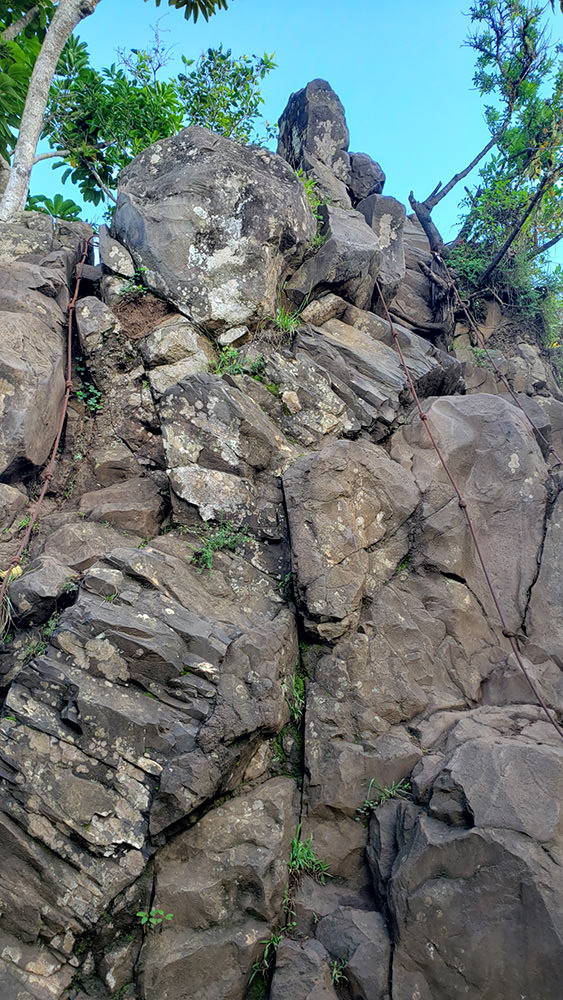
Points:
x=252, y=633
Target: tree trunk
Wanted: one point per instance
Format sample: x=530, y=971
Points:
x=67, y=15
x=422, y=212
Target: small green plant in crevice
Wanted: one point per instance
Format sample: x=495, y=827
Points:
x=379, y=793
x=90, y=396
x=481, y=358
x=152, y=918
x=122, y=993
x=135, y=286
x=256, y=369
x=229, y=362
x=337, y=972
x=304, y=861
x=264, y=966
x=24, y=523
x=284, y=586
x=288, y=907
x=315, y=201
x=37, y=647
x=232, y=362
x=223, y=537
x=404, y=563
x=294, y=694
x=280, y=757
x=287, y=320
x=50, y=625
x=68, y=489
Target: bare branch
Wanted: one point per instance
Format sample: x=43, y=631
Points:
x=52, y=155
x=441, y=192
x=545, y=246
x=422, y=213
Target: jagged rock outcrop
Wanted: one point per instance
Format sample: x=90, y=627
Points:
x=168, y=749
x=386, y=216
x=314, y=138
x=483, y=836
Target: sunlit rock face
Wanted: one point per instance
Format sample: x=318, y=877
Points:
x=252, y=639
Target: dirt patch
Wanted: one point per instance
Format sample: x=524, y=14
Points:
x=139, y=313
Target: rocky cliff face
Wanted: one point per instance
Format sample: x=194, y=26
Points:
x=262, y=734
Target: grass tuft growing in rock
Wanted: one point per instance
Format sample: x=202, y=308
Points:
x=304, y=861
x=396, y=790
x=224, y=537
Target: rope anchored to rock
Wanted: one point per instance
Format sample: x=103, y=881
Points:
x=15, y=570
x=506, y=631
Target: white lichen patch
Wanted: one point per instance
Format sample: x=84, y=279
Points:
x=386, y=233
x=514, y=462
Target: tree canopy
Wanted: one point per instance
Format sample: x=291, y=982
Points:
x=97, y=121
x=513, y=215
x=27, y=69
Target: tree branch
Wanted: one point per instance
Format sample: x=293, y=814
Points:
x=422, y=213
x=99, y=181
x=547, y=180
x=15, y=29
x=441, y=192
x=51, y=155
x=545, y=246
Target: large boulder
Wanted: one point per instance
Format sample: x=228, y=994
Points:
x=223, y=880
x=474, y=887
x=492, y=454
x=224, y=454
x=366, y=176
x=341, y=502
x=314, y=138
x=216, y=226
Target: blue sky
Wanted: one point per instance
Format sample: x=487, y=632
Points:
x=400, y=69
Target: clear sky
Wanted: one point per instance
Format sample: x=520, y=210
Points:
x=400, y=69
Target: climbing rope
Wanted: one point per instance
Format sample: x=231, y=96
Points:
x=507, y=633
x=14, y=570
